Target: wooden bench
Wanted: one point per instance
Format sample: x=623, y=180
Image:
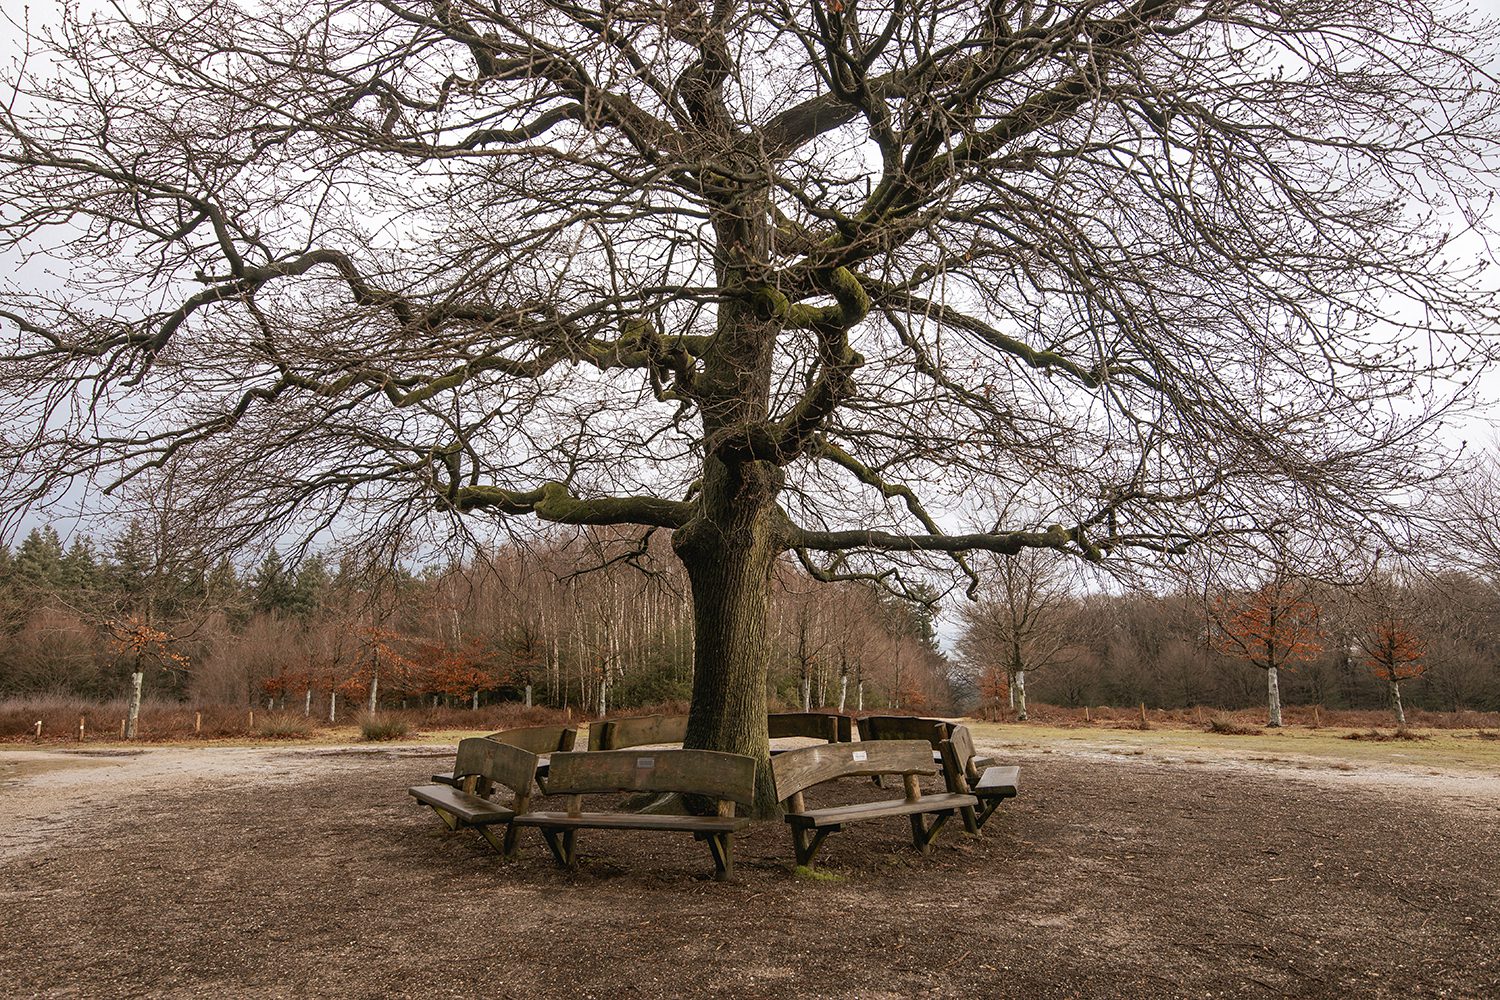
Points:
x=965, y=773
x=644, y=730
x=798, y=770
x=724, y=777
x=540, y=740
x=827, y=726
x=480, y=765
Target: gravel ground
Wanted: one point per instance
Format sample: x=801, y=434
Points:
x=237, y=872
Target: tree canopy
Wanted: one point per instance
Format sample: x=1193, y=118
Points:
x=831, y=279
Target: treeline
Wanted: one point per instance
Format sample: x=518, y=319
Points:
x=592, y=622
x=1428, y=641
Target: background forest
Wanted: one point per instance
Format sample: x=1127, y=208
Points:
x=596, y=622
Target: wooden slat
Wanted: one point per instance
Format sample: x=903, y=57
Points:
x=538, y=739
x=471, y=809
x=634, y=821
x=810, y=725
x=838, y=815
x=904, y=727
x=999, y=782
x=702, y=772
x=808, y=766
x=498, y=762
x=645, y=730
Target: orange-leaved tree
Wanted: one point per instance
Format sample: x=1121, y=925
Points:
x=1272, y=627
x=143, y=644
x=1394, y=652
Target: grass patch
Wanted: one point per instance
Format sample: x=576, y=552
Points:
x=1485, y=734
x=379, y=728
x=1376, y=736
x=1226, y=726
x=815, y=875
x=285, y=727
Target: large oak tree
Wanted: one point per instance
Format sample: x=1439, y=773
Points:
x=838, y=279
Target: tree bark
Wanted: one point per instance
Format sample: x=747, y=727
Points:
x=528, y=696
x=1396, y=703
x=375, y=686
x=843, y=689
x=133, y=712
x=1273, y=699
x=1020, y=692
x=307, y=703
x=333, y=704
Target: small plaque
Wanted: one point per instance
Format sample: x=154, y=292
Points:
x=645, y=763
x=860, y=755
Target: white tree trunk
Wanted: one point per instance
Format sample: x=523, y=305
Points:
x=133, y=713
x=307, y=704
x=475, y=706
x=1273, y=698
x=859, y=692
x=843, y=690
x=528, y=696
x=1396, y=701
x=603, y=694
x=375, y=687
x=333, y=705
x=1010, y=690
x=806, y=693
x=1019, y=693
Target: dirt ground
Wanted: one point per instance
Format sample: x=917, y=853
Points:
x=1129, y=867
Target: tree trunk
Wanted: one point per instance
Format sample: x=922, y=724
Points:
x=375, y=686
x=307, y=704
x=843, y=689
x=475, y=706
x=1020, y=695
x=1396, y=703
x=806, y=691
x=728, y=556
x=333, y=705
x=1273, y=699
x=133, y=713
x=528, y=696
x=859, y=693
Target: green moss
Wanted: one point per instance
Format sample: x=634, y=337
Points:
x=815, y=875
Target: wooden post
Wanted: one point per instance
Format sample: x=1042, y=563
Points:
x=913, y=787
x=252, y=718
x=122, y=729
x=1143, y=713
x=197, y=723
x=80, y=729
x=1087, y=715
x=1317, y=722
x=38, y=728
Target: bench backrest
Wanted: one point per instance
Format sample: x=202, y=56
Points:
x=904, y=727
x=539, y=739
x=958, y=760
x=617, y=734
x=724, y=776
x=483, y=763
x=804, y=767
x=812, y=725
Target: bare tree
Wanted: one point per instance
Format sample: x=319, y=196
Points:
x=1019, y=622
x=780, y=278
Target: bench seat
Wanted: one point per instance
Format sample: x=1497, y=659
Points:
x=471, y=810
x=634, y=821
x=838, y=815
x=998, y=782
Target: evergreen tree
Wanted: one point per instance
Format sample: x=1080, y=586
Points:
x=274, y=587
x=38, y=563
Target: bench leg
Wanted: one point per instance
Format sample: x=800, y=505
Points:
x=449, y=820
x=561, y=844
x=972, y=823
x=987, y=809
x=512, y=834
x=504, y=845
x=806, y=842
x=921, y=834
x=721, y=846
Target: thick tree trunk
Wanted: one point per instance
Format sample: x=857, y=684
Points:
x=1273, y=699
x=133, y=712
x=528, y=696
x=843, y=689
x=806, y=693
x=1396, y=703
x=728, y=560
x=1020, y=691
